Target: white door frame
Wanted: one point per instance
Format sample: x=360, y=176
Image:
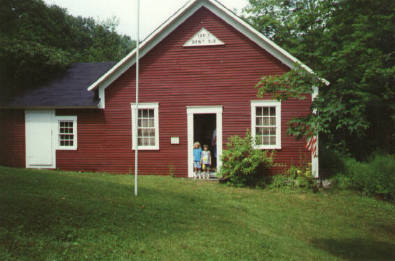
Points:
x=191, y=111
x=50, y=120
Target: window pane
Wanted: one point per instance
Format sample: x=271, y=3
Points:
x=272, y=120
x=259, y=131
x=151, y=132
x=265, y=111
x=265, y=131
x=150, y=123
x=61, y=124
x=265, y=121
x=258, y=111
x=265, y=140
x=272, y=140
x=151, y=113
x=259, y=121
x=272, y=131
x=272, y=111
x=146, y=127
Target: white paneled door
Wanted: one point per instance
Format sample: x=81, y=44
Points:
x=40, y=147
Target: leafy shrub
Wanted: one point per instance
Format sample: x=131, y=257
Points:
x=294, y=177
x=242, y=165
x=374, y=177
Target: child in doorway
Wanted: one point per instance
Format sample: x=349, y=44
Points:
x=197, y=156
x=206, y=161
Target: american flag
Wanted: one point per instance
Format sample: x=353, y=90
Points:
x=311, y=145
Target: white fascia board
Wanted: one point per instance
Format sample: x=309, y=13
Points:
x=178, y=18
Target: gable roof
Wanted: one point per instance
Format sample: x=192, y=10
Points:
x=177, y=19
x=66, y=91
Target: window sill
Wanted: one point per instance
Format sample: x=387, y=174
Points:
x=267, y=147
x=62, y=148
x=146, y=148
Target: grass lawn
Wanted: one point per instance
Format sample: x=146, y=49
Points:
x=49, y=215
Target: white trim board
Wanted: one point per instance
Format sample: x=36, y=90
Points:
x=191, y=111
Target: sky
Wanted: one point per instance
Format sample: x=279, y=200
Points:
x=152, y=12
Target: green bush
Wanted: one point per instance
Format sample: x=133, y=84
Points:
x=295, y=177
x=374, y=177
x=242, y=165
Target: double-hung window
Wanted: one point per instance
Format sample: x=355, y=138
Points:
x=67, y=132
x=147, y=129
x=266, y=124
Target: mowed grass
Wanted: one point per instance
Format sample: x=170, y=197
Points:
x=50, y=215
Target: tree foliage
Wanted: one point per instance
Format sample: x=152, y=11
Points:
x=349, y=43
x=38, y=41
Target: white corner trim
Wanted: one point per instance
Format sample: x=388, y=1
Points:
x=191, y=111
x=277, y=104
x=315, y=170
x=178, y=18
x=75, y=132
x=152, y=105
x=102, y=97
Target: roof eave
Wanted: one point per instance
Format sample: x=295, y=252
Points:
x=47, y=107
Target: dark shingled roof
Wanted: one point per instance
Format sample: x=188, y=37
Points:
x=67, y=90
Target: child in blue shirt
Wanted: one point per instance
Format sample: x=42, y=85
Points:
x=197, y=156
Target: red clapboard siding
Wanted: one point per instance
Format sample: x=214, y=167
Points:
x=176, y=77
x=12, y=138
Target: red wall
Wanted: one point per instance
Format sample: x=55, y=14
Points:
x=12, y=138
x=177, y=77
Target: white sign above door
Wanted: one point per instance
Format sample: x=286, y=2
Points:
x=203, y=38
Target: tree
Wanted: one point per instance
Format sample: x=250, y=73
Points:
x=348, y=43
x=38, y=41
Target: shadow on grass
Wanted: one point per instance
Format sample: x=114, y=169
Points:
x=357, y=248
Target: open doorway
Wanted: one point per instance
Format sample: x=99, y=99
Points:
x=205, y=131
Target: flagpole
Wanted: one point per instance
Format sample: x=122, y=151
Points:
x=136, y=152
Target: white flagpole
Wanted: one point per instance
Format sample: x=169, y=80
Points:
x=136, y=153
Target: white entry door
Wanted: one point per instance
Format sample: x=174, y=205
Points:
x=39, y=131
x=191, y=111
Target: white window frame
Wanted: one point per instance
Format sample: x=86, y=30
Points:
x=155, y=106
x=266, y=103
x=66, y=118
